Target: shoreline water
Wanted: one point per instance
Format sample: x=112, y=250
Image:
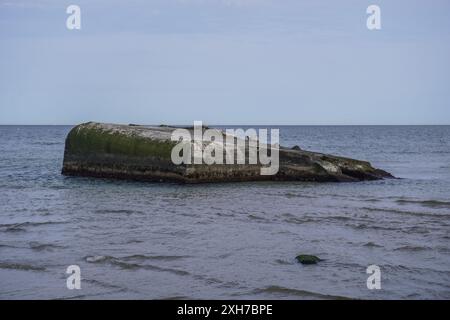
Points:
x=238, y=240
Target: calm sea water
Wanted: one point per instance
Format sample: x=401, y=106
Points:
x=229, y=241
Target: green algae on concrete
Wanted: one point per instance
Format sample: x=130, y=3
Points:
x=96, y=139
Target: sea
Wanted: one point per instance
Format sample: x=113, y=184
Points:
x=136, y=240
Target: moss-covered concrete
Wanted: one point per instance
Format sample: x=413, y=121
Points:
x=92, y=138
x=144, y=153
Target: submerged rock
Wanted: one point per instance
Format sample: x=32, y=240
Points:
x=307, y=259
x=144, y=153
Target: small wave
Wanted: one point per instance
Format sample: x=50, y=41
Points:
x=94, y=259
x=46, y=143
x=278, y=290
x=426, y=203
x=125, y=242
x=411, y=248
x=8, y=246
x=176, y=298
x=338, y=218
x=14, y=227
x=362, y=226
x=124, y=263
x=443, y=249
x=155, y=257
x=116, y=262
x=134, y=241
x=255, y=217
x=298, y=195
x=18, y=266
x=299, y=221
x=402, y=152
x=372, y=200
x=44, y=246
x=372, y=245
x=120, y=211
x=416, y=269
x=92, y=296
x=14, y=187
x=102, y=284
x=214, y=281
x=412, y=213
x=417, y=229
x=290, y=218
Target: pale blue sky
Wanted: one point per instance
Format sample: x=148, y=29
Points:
x=225, y=62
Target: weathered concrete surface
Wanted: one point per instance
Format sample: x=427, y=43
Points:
x=144, y=153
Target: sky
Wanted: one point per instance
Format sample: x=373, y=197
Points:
x=229, y=62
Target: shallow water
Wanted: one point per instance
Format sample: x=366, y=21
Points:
x=230, y=241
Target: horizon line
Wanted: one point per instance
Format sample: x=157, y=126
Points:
x=207, y=124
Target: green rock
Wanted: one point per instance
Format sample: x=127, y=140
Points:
x=307, y=259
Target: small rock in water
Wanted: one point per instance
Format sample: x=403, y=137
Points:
x=307, y=259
